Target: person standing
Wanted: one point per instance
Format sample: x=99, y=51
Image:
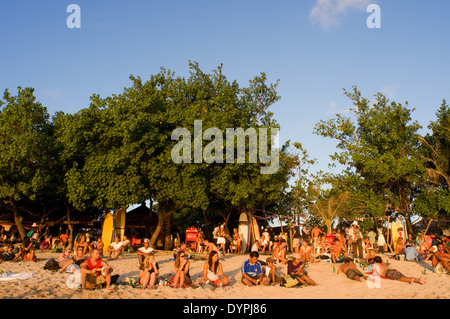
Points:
x=305, y=234
x=356, y=240
x=381, y=242
x=296, y=237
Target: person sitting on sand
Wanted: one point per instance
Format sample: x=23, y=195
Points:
x=126, y=244
x=279, y=252
x=209, y=247
x=7, y=253
x=349, y=269
x=213, y=271
x=392, y=274
x=181, y=268
x=252, y=273
x=46, y=243
x=296, y=270
x=305, y=252
x=400, y=247
x=338, y=253
x=144, y=251
x=180, y=248
x=270, y=271
x=148, y=272
x=263, y=244
x=26, y=251
x=81, y=248
x=95, y=272
x=98, y=243
x=115, y=249
x=411, y=253
x=441, y=259
x=65, y=260
x=370, y=255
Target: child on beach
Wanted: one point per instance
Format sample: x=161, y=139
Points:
x=270, y=271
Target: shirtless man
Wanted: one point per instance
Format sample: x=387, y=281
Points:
x=393, y=274
x=315, y=232
x=209, y=247
x=440, y=257
x=349, y=269
x=338, y=253
x=279, y=252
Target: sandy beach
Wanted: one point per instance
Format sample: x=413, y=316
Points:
x=45, y=284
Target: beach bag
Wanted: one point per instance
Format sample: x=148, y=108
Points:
x=289, y=281
x=51, y=265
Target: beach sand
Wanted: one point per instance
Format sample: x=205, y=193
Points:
x=45, y=284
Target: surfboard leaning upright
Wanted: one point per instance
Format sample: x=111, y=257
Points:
x=244, y=231
x=108, y=230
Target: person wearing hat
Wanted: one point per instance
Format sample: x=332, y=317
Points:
x=33, y=234
x=295, y=270
x=356, y=239
x=144, y=251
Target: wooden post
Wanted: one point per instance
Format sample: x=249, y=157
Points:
x=429, y=223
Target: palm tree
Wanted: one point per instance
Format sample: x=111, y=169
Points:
x=330, y=205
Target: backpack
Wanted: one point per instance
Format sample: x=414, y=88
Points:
x=51, y=265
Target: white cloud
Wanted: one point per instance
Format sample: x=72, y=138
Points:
x=389, y=91
x=52, y=93
x=330, y=12
x=334, y=109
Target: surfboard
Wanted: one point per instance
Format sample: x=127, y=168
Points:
x=244, y=232
x=256, y=228
x=107, y=232
x=119, y=221
x=394, y=234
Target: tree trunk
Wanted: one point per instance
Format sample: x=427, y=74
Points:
x=18, y=221
x=167, y=236
x=161, y=219
x=69, y=225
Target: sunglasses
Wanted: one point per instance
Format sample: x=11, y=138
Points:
x=183, y=256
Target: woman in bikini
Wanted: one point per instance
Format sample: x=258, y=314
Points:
x=213, y=271
x=182, y=276
x=305, y=252
x=148, y=272
x=26, y=251
x=81, y=248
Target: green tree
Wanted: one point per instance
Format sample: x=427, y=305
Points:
x=379, y=148
x=434, y=198
x=27, y=155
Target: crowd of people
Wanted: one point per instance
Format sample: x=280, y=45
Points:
x=308, y=247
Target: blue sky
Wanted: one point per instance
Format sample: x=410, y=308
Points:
x=315, y=48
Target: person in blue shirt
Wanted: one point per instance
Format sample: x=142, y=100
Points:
x=252, y=273
x=411, y=253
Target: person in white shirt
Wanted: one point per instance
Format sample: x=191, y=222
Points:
x=115, y=249
x=144, y=251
